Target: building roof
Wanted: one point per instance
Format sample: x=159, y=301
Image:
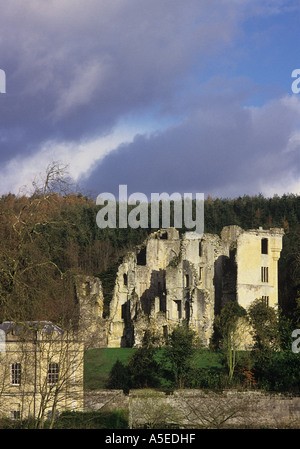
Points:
x=18, y=328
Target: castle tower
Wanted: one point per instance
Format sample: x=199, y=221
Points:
x=257, y=254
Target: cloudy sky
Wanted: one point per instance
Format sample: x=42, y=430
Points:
x=160, y=95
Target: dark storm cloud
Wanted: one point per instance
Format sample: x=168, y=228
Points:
x=74, y=68
x=77, y=69
x=221, y=149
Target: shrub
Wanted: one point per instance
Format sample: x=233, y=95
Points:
x=278, y=371
x=119, y=378
x=206, y=378
x=117, y=419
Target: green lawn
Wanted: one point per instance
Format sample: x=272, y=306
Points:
x=208, y=359
x=98, y=363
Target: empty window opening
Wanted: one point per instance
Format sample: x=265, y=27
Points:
x=201, y=273
x=264, y=246
x=201, y=248
x=141, y=257
x=179, y=313
x=186, y=280
x=164, y=236
x=125, y=279
x=264, y=274
x=164, y=286
x=187, y=311
x=165, y=331
x=87, y=288
x=124, y=311
x=162, y=304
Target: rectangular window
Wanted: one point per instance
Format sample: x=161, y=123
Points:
x=165, y=331
x=201, y=273
x=87, y=288
x=265, y=300
x=53, y=371
x=187, y=280
x=264, y=246
x=201, y=248
x=178, y=303
x=16, y=374
x=141, y=258
x=264, y=274
x=124, y=311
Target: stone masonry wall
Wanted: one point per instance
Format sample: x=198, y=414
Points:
x=199, y=409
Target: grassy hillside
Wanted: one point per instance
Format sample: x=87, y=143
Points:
x=99, y=362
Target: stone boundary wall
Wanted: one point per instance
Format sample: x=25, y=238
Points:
x=105, y=400
x=199, y=409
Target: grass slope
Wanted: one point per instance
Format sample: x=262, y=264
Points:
x=99, y=362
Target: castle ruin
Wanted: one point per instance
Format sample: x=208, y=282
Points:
x=171, y=278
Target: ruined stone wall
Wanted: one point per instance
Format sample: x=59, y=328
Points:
x=191, y=283
x=92, y=326
x=169, y=279
x=139, y=300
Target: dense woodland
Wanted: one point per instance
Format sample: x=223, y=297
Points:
x=47, y=237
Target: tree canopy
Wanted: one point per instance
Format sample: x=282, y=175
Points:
x=50, y=234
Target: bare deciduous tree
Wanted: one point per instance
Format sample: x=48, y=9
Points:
x=216, y=411
x=25, y=261
x=150, y=409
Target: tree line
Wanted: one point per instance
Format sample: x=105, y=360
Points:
x=49, y=235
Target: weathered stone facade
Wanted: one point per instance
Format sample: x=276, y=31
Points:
x=171, y=278
x=93, y=327
x=41, y=370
